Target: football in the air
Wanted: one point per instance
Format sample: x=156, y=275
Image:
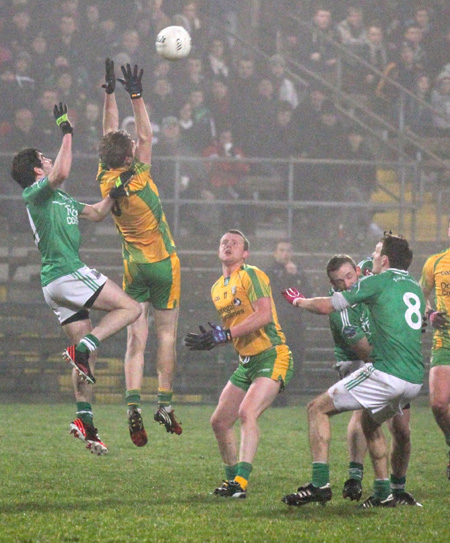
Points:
x=173, y=43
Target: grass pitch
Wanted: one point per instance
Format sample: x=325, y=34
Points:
x=53, y=490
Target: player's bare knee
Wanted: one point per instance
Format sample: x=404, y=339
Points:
x=439, y=407
x=134, y=311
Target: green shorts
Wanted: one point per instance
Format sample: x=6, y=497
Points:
x=440, y=357
x=158, y=282
x=276, y=363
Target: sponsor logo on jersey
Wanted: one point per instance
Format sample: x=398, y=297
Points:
x=236, y=302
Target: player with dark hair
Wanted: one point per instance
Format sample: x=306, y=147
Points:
x=435, y=277
x=151, y=265
x=383, y=387
x=70, y=288
x=351, y=331
x=243, y=298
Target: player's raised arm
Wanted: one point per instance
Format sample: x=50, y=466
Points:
x=132, y=82
x=63, y=162
x=110, y=109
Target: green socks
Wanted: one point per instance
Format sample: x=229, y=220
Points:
x=355, y=471
x=320, y=474
x=84, y=412
x=133, y=398
x=87, y=344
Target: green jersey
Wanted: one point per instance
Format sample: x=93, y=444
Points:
x=347, y=328
x=53, y=216
x=396, y=304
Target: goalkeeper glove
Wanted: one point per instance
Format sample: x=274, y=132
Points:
x=60, y=114
x=110, y=77
x=438, y=319
x=132, y=81
x=208, y=339
x=121, y=185
x=292, y=295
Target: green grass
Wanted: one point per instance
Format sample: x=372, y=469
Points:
x=53, y=490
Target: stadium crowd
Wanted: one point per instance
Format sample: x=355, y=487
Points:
x=224, y=99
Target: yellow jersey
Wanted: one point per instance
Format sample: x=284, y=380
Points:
x=233, y=297
x=436, y=274
x=139, y=217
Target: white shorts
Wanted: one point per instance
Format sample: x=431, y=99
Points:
x=383, y=395
x=70, y=293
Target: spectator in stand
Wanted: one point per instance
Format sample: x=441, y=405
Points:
x=243, y=91
x=158, y=17
x=285, y=88
x=41, y=64
x=224, y=178
x=193, y=133
x=67, y=41
x=315, y=49
x=130, y=45
x=217, y=61
x=440, y=100
x=44, y=118
x=191, y=78
x=23, y=131
x=17, y=87
x=89, y=127
x=220, y=104
x=162, y=100
x=352, y=31
x=284, y=271
x=439, y=53
x=19, y=32
x=192, y=176
x=422, y=19
x=419, y=117
x=202, y=118
x=412, y=38
x=261, y=115
x=190, y=19
x=375, y=52
x=69, y=92
x=306, y=116
x=404, y=71
x=358, y=183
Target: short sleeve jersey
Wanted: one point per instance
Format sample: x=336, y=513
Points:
x=436, y=274
x=396, y=303
x=347, y=328
x=233, y=297
x=53, y=216
x=139, y=218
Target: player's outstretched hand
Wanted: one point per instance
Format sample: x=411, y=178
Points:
x=121, y=185
x=207, y=339
x=438, y=320
x=61, y=118
x=110, y=77
x=291, y=295
x=132, y=80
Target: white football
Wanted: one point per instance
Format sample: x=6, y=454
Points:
x=173, y=43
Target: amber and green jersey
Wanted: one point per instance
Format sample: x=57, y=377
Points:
x=139, y=217
x=233, y=297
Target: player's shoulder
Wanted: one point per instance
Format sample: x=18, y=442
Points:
x=254, y=272
x=437, y=257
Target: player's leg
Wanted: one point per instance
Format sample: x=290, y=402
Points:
x=378, y=450
x=400, y=429
x=166, y=322
x=121, y=310
x=83, y=426
x=137, y=333
x=439, y=380
x=357, y=448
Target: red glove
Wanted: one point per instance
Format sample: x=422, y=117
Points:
x=438, y=319
x=292, y=295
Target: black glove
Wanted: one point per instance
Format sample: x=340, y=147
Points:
x=120, y=187
x=60, y=113
x=207, y=340
x=132, y=81
x=110, y=77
